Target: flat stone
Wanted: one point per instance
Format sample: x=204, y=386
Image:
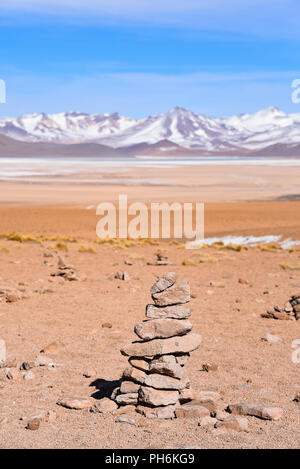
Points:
x=191, y=411
x=77, y=403
x=2, y=351
x=172, y=312
x=133, y=374
x=125, y=419
x=164, y=282
x=187, y=395
x=183, y=344
x=158, y=381
x=105, y=405
x=127, y=399
x=165, y=412
x=139, y=363
x=179, y=293
x=162, y=328
x=129, y=387
x=239, y=424
x=257, y=410
x=156, y=397
x=166, y=365
x=272, y=339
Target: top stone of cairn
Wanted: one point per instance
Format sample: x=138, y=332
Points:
x=177, y=293
x=163, y=282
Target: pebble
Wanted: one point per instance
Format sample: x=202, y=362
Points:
x=107, y=325
x=125, y=419
x=33, y=424
x=272, y=339
x=209, y=367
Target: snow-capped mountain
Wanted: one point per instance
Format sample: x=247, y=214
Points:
x=67, y=127
x=177, y=128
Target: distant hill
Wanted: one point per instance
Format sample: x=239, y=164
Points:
x=11, y=147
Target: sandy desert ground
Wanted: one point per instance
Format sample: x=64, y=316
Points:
x=226, y=311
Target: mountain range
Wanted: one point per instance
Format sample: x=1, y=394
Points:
x=178, y=132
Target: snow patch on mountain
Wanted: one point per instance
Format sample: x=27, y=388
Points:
x=178, y=126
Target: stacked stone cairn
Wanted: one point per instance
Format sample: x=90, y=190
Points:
x=154, y=381
x=290, y=311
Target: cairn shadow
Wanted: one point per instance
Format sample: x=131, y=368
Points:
x=104, y=387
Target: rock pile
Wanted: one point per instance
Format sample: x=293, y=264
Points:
x=290, y=311
x=67, y=272
x=154, y=380
x=161, y=259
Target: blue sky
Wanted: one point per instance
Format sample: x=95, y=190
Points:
x=142, y=57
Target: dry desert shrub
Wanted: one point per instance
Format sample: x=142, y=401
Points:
x=187, y=262
x=62, y=246
x=289, y=267
x=85, y=248
x=208, y=260
x=269, y=247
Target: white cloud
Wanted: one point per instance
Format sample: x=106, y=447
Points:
x=275, y=17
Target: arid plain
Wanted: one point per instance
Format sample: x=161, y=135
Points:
x=90, y=319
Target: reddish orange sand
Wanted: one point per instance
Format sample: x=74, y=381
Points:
x=243, y=218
